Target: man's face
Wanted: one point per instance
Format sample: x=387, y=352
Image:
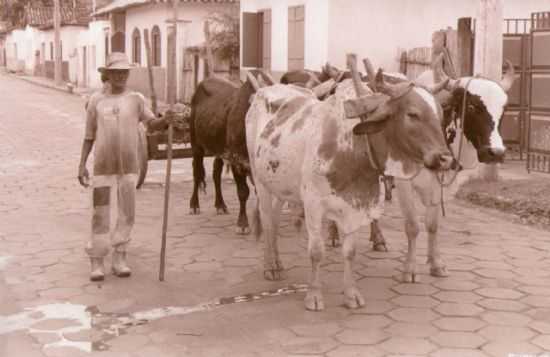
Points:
x=118, y=77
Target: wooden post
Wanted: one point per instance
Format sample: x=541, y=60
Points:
x=150, y=71
x=465, y=39
x=209, y=57
x=171, y=100
x=58, y=77
x=488, y=56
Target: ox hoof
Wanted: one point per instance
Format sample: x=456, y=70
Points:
x=314, y=300
x=274, y=274
x=411, y=277
x=379, y=247
x=221, y=210
x=439, y=272
x=353, y=298
x=242, y=230
x=195, y=211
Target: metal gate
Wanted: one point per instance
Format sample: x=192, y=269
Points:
x=538, y=143
x=516, y=49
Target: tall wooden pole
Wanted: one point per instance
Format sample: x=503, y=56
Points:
x=57, y=42
x=171, y=100
x=488, y=56
x=150, y=71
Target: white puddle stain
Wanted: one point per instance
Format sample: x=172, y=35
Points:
x=114, y=324
x=4, y=262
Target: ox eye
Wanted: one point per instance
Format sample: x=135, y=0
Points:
x=413, y=115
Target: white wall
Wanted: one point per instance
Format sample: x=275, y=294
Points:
x=94, y=41
x=190, y=27
x=377, y=28
x=316, y=30
x=25, y=40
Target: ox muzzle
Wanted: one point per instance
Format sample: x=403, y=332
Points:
x=441, y=161
x=490, y=155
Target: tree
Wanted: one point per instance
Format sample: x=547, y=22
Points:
x=224, y=37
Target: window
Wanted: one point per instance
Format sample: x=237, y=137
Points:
x=156, y=44
x=136, y=47
x=296, y=37
x=51, y=51
x=257, y=39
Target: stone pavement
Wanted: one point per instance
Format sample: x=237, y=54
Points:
x=214, y=300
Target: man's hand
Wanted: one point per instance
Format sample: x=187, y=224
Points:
x=83, y=176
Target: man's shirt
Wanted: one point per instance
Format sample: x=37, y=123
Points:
x=113, y=123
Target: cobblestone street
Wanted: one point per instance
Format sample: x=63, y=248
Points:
x=214, y=300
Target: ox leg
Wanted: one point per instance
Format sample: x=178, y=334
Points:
x=221, y=207
x=377, y=238
x=317, y=233
x=430, y=197
x=333, y=235
x=352, y=297
x=199, y=175
x=270, y=210
x=242, y=192
x=406, y=201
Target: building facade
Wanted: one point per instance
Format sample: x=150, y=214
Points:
x=311, y=32
x=130, y=19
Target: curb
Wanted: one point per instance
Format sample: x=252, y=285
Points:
x=43, y=85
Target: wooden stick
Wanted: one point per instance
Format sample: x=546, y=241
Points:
x=209, y=55
x=150, y=72
x=171, y=100
x=352, y=66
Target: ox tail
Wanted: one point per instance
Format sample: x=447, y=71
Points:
x=199, y=173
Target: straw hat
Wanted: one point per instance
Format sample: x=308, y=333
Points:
x=115, y=60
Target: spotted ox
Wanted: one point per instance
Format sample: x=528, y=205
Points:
x=304, y=151
x=478, y=105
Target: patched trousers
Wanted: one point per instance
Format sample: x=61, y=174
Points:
x=113, y=213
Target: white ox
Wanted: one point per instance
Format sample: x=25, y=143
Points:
x=484, y=102
x=306, y=152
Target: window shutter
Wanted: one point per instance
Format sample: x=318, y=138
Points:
x=296, y=37
x=266, y=39
x=251, y=39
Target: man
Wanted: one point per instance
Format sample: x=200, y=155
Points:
x=113, y=117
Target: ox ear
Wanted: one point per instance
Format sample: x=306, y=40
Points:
x=374, y=122
x=366, y=127
x=363, y=105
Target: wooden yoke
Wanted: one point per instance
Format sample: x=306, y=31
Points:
x=351, y=60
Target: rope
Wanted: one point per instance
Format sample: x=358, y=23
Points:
x=441, y=180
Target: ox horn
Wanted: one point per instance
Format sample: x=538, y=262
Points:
x=391, y=90
x=371, y=74
x=509, y=76
x=450, y=83
x=351, y=60
x=267, y=77
x=253, y=81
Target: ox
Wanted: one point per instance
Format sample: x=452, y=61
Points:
x=218, y=109
x=303, y=151
x=478, y=105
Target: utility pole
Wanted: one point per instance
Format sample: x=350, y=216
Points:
x=57, y=41
x=488, y=56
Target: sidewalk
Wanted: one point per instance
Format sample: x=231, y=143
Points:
x=48, y=83
x=83, y=92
